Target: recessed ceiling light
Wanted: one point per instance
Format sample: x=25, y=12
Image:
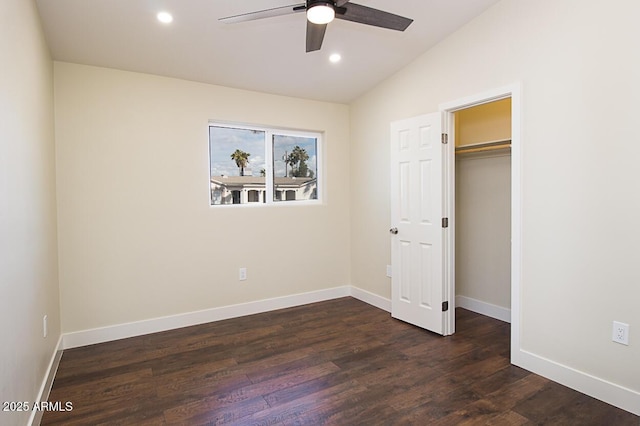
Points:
x=165, y=17
x=335, y=58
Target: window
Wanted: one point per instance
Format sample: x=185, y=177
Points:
x=257, y=165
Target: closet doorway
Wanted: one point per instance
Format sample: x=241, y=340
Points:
x=504, y=149
x=482, y=140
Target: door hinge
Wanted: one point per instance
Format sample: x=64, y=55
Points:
x=445, y=306
x=445, y=138
x=445, y=222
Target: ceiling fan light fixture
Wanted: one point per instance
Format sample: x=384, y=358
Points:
x=321, y=13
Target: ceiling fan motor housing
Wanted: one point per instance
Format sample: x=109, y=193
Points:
x=320, y=11
x=312, y=3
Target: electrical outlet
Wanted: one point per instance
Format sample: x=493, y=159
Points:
x=243, y=274
x=620, y=333
x=45, y=328
x=389, y=271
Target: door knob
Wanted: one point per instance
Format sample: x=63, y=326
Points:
x=394, y=231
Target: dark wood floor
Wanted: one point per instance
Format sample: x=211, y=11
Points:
x=336, y=362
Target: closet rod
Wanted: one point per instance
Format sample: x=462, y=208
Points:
x=480, y=147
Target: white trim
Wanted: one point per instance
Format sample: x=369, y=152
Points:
x=481, y=98
x=154, y=325
x=449, y=195
x=516, y=220
x=371, y=298
x=47, y=382
x=484, y=308
x=611, y=393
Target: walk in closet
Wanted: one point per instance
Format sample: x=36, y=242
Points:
x=483, y=208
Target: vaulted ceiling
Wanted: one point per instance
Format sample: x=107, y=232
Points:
x=266, y=55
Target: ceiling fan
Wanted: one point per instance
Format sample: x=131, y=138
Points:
x=321, y=12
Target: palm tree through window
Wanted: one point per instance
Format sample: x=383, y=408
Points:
x=260, y=165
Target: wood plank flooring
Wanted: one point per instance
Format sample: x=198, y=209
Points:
x=339, y=362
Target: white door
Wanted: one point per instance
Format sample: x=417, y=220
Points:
x=417, y=252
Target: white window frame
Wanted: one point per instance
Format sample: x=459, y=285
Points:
x=269, y=132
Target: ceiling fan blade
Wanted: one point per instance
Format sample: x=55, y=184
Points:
x=340, y=3
x=315, y=35
x=267, y=13
x=378, y=18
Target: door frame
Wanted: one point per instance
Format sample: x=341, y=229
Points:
x=447, y=110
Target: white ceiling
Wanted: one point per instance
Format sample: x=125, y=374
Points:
x=265, y=55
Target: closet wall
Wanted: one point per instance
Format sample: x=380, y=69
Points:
x=483, y=207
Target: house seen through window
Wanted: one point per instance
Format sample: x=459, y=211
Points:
x=254, y=165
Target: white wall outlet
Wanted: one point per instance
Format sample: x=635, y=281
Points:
x=45, y=328
x=389, y=271
x=243, y=274
x=620, y=333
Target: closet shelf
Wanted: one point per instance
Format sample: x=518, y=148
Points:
x=484, y=147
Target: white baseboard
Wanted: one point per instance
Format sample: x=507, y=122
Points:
x=47, y=383
x=154, y=325
x=580, y=381
x=611, y=393
x=371, y=298
x=484, y=308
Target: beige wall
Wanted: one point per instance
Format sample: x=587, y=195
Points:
x=578, y=64
x=28, y=253
x=138, y=239
x=483, y=227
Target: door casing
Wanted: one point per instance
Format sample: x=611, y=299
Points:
x=447, y=110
